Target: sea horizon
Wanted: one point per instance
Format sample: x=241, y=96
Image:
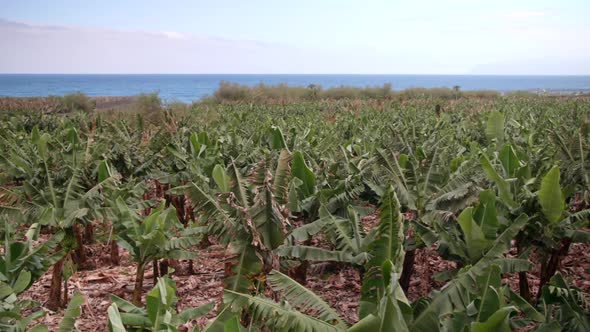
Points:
x=190, y=87
x=295, y=74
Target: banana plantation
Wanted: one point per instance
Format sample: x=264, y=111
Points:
x=469, y=214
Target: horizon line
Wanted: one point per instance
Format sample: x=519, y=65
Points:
x=298, y=74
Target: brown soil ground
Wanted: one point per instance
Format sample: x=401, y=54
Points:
x=340, y=287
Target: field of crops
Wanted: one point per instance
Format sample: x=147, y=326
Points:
x=419, y=214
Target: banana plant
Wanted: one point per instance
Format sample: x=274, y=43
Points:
x=159, y=314
x=553, y=227
x=302, y=310
x=575, y=148
x=562, y=308
x=468, y=239
x=565, y=307
x=290, y=314
x=58, y=194
x=427, y=192
x=127, y=150
x=513, y=170
x=386, y=246
x=347, y=235
x=250, y=218
x=187, y=159
x=474, y=301
x=560, y=227
x=23, y=260
x=155, y=237
x=488, y=309
x=390, y=310
x=132, y=193
x=455, y=295
x=22, y=263
x=16, y=315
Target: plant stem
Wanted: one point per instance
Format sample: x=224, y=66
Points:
x=115, y=260
x=523, y=281
x=89, y=233
x=80, y=252
x=550, y=266
x=407, y=270
x=138, y=289
x=155, y=268
x=54, y=301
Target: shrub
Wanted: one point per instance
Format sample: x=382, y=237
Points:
x=149, y=103
x=149, y=107
x=76, y=102
x=341, y=92
x=378, y=92
x=232, y=92
x=522, y=94
x=482, y=94
x=178, y=107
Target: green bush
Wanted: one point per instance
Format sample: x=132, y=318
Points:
x=149, y=103
x=76, y=102
x=232, y=92
x=150, y=108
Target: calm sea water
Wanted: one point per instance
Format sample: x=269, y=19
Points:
x=192, y=87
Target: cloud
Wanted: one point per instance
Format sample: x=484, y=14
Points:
x=174, y=35
x=519, y=15
x=31, y=48
x=35, y=48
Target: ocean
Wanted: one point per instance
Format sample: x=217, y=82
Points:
x=190, y=87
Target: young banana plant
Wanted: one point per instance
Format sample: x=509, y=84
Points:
x=427, y=191
x=468, y=239
x=155, y=237
x=58, y=194
x=553, y=226
x=250, y=218
x=347, y=235
x=159, y=313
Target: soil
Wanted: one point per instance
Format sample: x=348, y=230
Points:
x=97, y=286
x=339, y=287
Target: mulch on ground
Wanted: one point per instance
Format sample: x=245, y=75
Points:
x=340, y=287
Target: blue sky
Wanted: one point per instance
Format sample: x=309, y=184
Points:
x=407, y=37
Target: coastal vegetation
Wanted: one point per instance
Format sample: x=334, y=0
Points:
x=278, y=208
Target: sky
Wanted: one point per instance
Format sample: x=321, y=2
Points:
x=348, y=37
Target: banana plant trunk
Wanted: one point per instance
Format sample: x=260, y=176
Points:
x=299, y=273
x=80, y=252
x=89, y=233
x=523, y=286
x=164, y=264
x=191, y=267
x=66, y=299
x=523, y=281
x=115, y=259
x=54, y=301
x=179, y=203
x=407, y=270
x=550, y=266
x=156, y=269
x=138, y=289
